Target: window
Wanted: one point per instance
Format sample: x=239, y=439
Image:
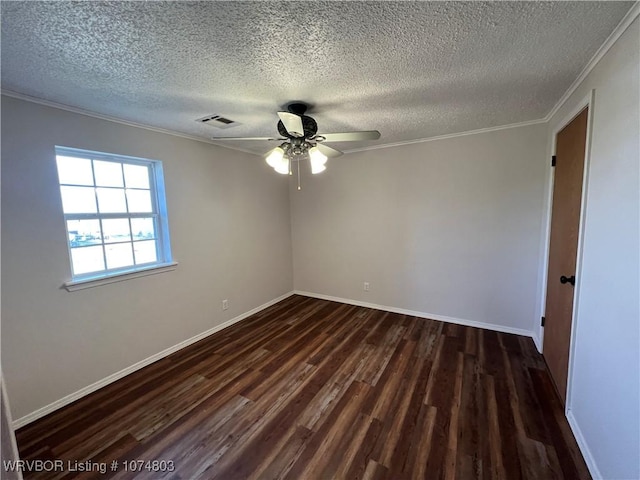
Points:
x=115, y=213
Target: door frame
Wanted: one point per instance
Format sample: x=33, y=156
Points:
x=587, y=101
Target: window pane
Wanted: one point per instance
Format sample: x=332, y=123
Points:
x=142, y=228
x=84, y=232
x=139, y=201
x=108, y=174
x=111, y=200
x=136, y=176
x=119, y=255
x=78, y=199
x=87, y=259
x=76, y=171
x=114, y=210
x=145, y=252
x=116, y=230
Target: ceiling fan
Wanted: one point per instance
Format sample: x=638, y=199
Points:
x=300, y=139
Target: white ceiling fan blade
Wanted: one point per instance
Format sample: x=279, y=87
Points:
x=348, y=136
x=293, y=123
x=328, y=151
x=269, y=139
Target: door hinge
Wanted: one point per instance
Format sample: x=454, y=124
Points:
x=553, y=160
x=542, y=321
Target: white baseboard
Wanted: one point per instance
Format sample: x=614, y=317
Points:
x=582, y=445
x=47, y=409
x=41, y=412
x=537, y=341
x=442, y=318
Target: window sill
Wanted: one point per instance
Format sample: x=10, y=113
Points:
x=74, y=285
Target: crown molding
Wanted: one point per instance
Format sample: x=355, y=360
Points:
x=626, y=21
x=109, y=118
x=89, y=113
x=448, y=135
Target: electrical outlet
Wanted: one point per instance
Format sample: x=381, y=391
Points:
x=225, y=304
x=366, y=286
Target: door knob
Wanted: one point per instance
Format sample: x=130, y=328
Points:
x=571, y=279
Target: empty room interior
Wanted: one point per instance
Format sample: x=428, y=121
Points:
x=320, y=240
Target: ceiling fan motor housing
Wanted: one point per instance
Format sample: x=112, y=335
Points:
x=308, y=124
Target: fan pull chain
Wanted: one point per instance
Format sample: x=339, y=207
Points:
x=299, y=175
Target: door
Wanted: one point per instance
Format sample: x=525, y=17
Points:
x=563, y=248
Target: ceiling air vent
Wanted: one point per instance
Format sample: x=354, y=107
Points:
x=218, y=121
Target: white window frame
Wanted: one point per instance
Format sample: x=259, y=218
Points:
x=164, y=260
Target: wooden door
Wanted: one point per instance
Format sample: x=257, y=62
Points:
x=563, y=247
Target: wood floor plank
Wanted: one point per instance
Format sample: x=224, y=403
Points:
x=452, y=445
x=420, y=447
x=402, y=455
x=496, y=469
x=571, y=461
x=375, y=471
x=322, y=443
x=378, y=366
x=388, y=390
x=313, y=389
x=264, y=440
x=442, y=397
x=360, y=460
x=352, y=449
x=282, y=460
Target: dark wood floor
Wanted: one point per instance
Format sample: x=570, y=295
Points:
x=311, y=389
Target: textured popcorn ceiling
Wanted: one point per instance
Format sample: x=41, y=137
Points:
x=409, y=69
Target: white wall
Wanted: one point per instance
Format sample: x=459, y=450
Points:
x=604, y=403
x=449, y=227
x=230, y=232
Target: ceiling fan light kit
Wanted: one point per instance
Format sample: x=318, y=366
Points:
x=275, y=158
x=280, y=158
x=318, y=160
x=301, y=140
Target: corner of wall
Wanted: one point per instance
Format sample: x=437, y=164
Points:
x=83, y=392
x=536, y=335
x=428, y=316
x=583, y=446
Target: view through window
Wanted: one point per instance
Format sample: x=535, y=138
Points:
x=115, y=212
